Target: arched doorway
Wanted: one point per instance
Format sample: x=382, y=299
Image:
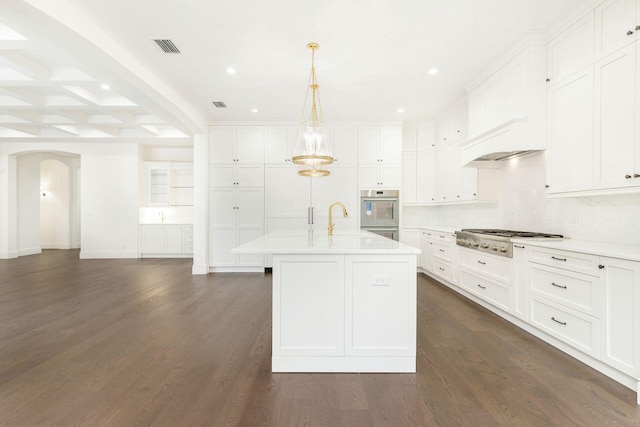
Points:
x=48, y=205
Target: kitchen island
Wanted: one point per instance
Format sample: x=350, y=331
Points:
x=341, y=303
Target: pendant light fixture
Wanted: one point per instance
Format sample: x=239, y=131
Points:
x=312, y=151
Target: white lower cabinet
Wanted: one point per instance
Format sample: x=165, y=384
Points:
x=166, y=240
x=620, y=314
x=489, y=277
x=494, y=292
x=426, y=246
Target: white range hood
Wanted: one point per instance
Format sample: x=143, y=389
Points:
x=492, y=148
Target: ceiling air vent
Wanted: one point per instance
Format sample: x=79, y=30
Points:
x=219, y=104
x=167, y=45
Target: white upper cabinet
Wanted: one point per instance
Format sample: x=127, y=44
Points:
x=425, y=178
x=237, y=144
x=451, y=128
x=617, y=25
x=345, y=144
x=616, y=120
x=278, y=145
x=571, y=51
x=425, y=139
x=379, y=144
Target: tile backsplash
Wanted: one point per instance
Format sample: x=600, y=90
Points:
x=523, y=205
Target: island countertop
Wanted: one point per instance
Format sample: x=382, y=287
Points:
x=319, y=242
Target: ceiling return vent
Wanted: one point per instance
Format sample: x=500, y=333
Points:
x=167, y=45
x=219, y=104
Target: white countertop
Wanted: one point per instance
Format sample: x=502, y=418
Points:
x=612, y=250
x=351, y=242
x=449, y=229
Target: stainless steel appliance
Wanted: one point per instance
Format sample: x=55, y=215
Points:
x=380, y=212
x=495, y=241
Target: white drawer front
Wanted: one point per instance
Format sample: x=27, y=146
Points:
x=496, y=266
x=443, y=269
x=443, y=251
x=498, y=295
x=574, y=261
x=570, y=326
x=575, y=290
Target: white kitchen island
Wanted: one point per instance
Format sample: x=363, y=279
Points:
x=341, y=303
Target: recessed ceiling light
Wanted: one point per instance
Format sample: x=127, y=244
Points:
x=105, y=86
x=433, y=71
x=231, y=70
x=254, y=110
x=400, y=110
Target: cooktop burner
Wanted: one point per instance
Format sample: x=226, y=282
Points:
x=510, y=233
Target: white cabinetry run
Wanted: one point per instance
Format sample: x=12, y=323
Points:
x=379, y=156
x=166, y=240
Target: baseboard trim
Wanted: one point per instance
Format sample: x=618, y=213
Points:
x=100, y=255
x=236, y=269
x=56, y=246
x=29, y=251
x=9, y=255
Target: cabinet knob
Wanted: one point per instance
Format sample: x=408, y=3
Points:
x=629, y=32
x=636, y=175
x=627, y=176
x=546, y=186
x=548, y=79
x=600, y=266
x=637, y=27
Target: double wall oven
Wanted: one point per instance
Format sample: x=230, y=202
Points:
x=380, y=212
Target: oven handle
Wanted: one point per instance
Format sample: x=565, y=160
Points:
x=379, y=199
x=379, y=229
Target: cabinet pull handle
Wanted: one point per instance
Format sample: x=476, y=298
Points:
x=482, y=262
x=441, y=250
x=440, y=268
x=557, y=321
x=600, y=266
x=627, y=176
x=558, y=286
x=558, y=259
x=629, y=32
x=482, y=287
x=442, y=237
x=518, y=246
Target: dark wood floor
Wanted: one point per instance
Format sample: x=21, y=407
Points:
x=143, y=342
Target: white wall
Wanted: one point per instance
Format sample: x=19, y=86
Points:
x=523, y=205
x=108, y=197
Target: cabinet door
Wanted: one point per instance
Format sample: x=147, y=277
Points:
x=615, y=119
x=425, y=139
x=620, y=314
x=250, y=176
x=571, y=51
x=441, y=175
x=250, y=207
x=615, y=26
x=345, y=145
x=222, y=144
x=425, y=183
x=222, y=209
x=152, y=239
x=222, y=176
x=173, y=239
x=409, y=140
x=409, y=178
x=223, y=239
x=426, y=246
x=250, y=144
x=454, y=174
x=276, y=145
x=368, y=176
x=158, y=179
x=390, y=176
x=570, y=134
x=368, y=141
x=391, y=145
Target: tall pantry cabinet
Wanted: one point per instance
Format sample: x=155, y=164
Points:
x=236, y=186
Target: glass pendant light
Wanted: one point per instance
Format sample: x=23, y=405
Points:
x=312, y=152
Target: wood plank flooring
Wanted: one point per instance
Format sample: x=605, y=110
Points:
x=143, y=342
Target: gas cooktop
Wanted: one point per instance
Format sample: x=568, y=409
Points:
x=494, y=240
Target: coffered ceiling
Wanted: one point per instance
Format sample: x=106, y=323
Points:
x=374, y=59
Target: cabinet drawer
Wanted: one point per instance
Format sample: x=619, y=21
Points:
x=495, y=266
x=443, y=269
x=444, y=238
x=498, y=295
x=575, y=290
x=442, y=251
x=574, y=261
x=574, y=328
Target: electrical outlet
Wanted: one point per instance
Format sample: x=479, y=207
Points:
x=379, y=280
